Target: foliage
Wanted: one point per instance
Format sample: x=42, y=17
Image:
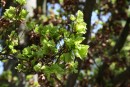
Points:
x=47, y=55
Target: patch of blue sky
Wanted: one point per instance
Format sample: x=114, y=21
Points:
x=60, y=44
x=93, y=20
x=0, y=11
x=0, y=48
x=1, y=63
x=1, y=67
x=104, y=18
x=56, y=7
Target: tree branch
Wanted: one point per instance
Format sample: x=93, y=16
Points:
x=124, y=76
x=89, y=6
x=60, y=82
x=119, y=79
x=122, y=38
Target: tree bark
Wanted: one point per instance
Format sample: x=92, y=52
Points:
x=124, y=76
x=121, y=78
x=122, y=38
x=73, y=77
x=89, y=6
x=40, y=6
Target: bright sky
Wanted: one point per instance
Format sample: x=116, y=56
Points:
x=1, y=67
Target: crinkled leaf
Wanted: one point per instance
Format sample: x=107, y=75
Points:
x=73, y=66
x=67, y=57
x=10, y=13
x=80, y=28
x=23, y=14
x=78, y=40
x=53, y=69
x=81, y=51
x=21, y=2
x=37, y=67
x=79, y=16
x=72, y=17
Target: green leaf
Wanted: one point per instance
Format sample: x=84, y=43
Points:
x=45, y=30
x=19, y=67
x=67, y=57
x=31, y=25
x=72, y=17
x=61, y=1
x=26, y=51
x=79, y=16
x=10, y=13
x=40, y=53
x=54, y=32
x=37, y=67
x=70, y=43
x=76, y=52
x=80, y=28
x=21, y=2
x=56, y=69
x=73, y=66
x=113, y=1
x=81, y=51
x=78, y=40
x=23, y=14
x=11, y=46
x=28, y=77
x=53, y=69
x=36, y=30
x=14, y=50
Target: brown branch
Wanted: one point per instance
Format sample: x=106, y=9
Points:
x=45, y=7
x=60, y=82
x=39, y=6
x=122, y=38
x=89, y=6
x=7, y=56
x=123, y=77
x=73, y=76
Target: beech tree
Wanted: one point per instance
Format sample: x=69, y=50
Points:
x=65, y=47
